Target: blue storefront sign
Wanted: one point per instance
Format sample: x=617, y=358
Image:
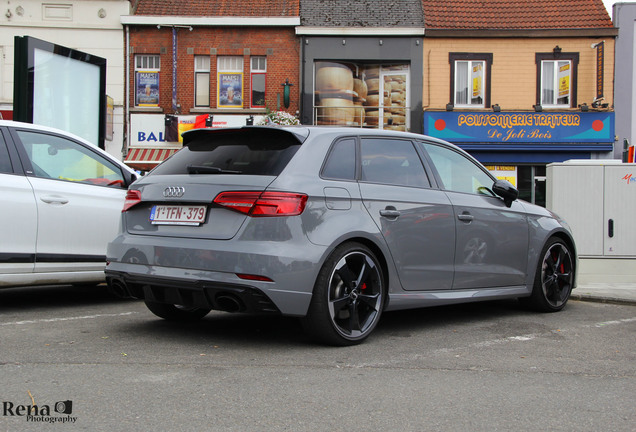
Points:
x=591, y=128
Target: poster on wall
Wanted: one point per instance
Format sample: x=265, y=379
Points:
x=477, y=77
x=147, y=89
x=564, y=81
x=230, y=91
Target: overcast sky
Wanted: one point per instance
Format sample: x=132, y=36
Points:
x=608, y=5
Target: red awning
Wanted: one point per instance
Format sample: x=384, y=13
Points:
x=146, y=158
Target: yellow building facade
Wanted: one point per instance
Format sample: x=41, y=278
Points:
x=514, y=69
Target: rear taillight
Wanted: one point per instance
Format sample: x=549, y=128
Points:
x=263, y=204
x=133, y=197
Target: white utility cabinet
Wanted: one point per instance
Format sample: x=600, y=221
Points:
x=597, y=198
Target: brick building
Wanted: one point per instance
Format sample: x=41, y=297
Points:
x=224, y=62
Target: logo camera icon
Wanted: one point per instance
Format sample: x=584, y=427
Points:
x=64, y=407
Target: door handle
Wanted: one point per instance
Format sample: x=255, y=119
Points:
x=54, y=199
x=390, y=212
x=610, y=228
x=465, y=217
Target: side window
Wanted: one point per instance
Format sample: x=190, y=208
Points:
x=58, y=158
x=201, y=81
x=341, y=160
x=258, y=71
x=458, y=173
x=557, y=74
x=5, y=163
x=470, y=79
x=392, y=161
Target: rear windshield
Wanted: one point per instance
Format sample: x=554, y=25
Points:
x=233, y=153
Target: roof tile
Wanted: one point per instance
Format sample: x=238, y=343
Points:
x=515, y=14
x=216, y=8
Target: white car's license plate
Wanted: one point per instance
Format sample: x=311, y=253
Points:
x=178, y=214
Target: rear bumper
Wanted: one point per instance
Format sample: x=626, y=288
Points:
x=191, y=293
x=290, y=295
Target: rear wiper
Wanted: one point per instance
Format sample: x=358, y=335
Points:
x=202, y=169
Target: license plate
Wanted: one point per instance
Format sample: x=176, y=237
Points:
x=177, y=214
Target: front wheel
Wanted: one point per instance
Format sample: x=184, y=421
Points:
x=348, y=297
x=554, y=277
x=172, y=312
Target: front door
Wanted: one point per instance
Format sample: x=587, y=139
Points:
x=492, y=239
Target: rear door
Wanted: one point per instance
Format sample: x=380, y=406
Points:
x=415, y=220
x=492, y=239
x=79, y=195
x=18, y=217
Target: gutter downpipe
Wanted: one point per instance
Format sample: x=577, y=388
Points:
x=127, y=92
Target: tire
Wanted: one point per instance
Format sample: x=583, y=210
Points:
x=172, y=312
x=348, y=297
x=554, y=278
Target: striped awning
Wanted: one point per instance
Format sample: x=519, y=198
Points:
x=146, y=158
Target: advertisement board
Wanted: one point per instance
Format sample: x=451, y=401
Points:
x=60, y=87
x=230, y=90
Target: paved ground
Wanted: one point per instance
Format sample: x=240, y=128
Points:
x=104, y=364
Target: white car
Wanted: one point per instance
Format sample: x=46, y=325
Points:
x=60, y=199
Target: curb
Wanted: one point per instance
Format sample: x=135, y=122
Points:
x=603, y=299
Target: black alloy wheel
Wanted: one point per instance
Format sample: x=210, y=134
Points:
x=348, y=296
x=554, y=278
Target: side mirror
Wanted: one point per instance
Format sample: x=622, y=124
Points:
x=506, y=191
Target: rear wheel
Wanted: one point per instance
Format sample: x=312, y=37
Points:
x=554, y=277
x=172, y=312
x=348, y=297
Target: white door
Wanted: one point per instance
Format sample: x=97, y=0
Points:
x=76, y=221
x=620, y=210
x=18, y=224
x=79, y=195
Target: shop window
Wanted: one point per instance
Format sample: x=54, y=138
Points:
x=470, y=79
x=201, y=81
x=557, y=79
x=362, y=95
x=147, y=68
x=229, y=82
x=258, y=71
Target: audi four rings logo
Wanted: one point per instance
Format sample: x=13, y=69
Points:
x=174, y=192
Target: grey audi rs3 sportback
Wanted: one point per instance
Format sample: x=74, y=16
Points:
x=334, y=226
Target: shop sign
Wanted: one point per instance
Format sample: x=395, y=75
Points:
x=520, y=127
x=149, y=130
